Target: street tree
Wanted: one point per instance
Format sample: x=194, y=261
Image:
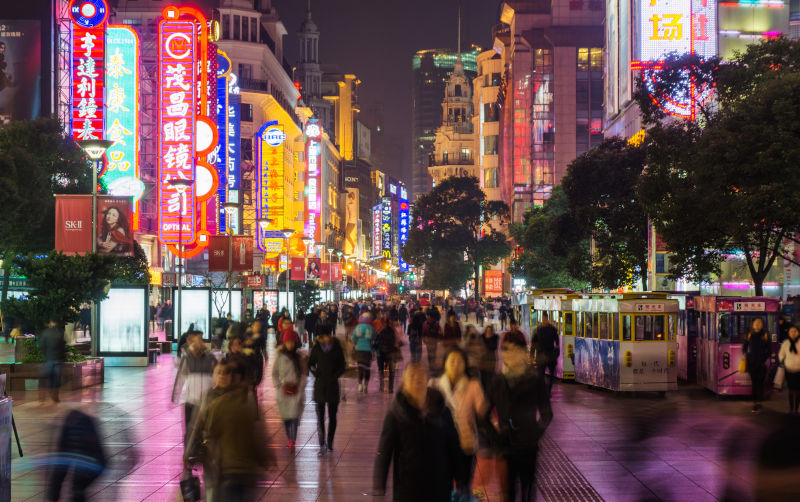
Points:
x=602, y=205
x=133, y=270
x=59, y=285
x=729, y=186
x=539, y=235
x=455, y=231
x=36, y=161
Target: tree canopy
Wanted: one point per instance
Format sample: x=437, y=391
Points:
x=728, y=185
x=453, y=222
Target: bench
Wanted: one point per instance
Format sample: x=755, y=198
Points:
x=152, y=355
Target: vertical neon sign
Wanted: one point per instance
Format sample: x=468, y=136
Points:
x=177, y=98
x=121, y=176
x=313, y=158
x=88, y=63
x=269, y=146
x=386, y=228
x=403, y=217
x=223, y=70
x=376, y=230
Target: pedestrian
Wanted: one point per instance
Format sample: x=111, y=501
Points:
x=452, y=331
x=789, y=357
x=480, y=314
x=502, y=315
x=53, y=347
x=544, y=349
x=80, y=452
x=327, y=364
x=431, y=333
x=363, y=335
x=403, y=315
x=195, y=369
x=756, y=349
x=419, y=440
x=474, y=348
x=160, y=316
x=489, y=360
x=230, y=427
x=467, y=403
x=520, y=401
x=300, y=327
x=388, y=354
x=415, y=335
x=323, y=325
x=289, y=378
x=182, y=340
x=241, y=348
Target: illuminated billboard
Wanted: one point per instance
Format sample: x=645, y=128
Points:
x=177, y=96
x=121, y=176
x=220, y=154
x=88, y=62
x=377, y=211
x=234, y=134
x=269, y=149
x=386, y=228
x=20, y=70
x=314, y=160
x=402, y=233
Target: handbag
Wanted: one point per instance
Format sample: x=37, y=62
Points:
x=190, y=488
x=290, y=389
x=780, y=378
x=743, y=365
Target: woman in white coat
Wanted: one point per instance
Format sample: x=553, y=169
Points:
x=289, y=378
x=789, y=356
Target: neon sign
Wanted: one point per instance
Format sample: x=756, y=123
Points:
x=121, y=176
x=220, y=154
x=88, y=68
x=234, y=135
x=403, y=217
x=313, y=156
x=386, y=228
x=681, y=26
x=177, y=97
x=269, y=144
x=376, y=230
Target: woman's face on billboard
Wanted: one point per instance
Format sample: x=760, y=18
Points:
x=112, y=216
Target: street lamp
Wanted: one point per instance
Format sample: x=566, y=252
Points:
x=306, y=242
x=180, y=185
x=263, y=224
x=95, y=149
x=330, y=268
x=230, y=210
x=287, y=232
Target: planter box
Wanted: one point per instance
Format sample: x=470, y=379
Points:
x=73, y=375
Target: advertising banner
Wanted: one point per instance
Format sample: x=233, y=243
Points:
x=493, y=282
x=298, y=269
x=20, y=70
x=314, y=267
x=242, y=247
x=88, y=68
x=255, y=281
x=351, y=221
x=376, y=230
x=123, y=322
x=386, y=228
x=403, y=220
x=270, y=196
x=114, y=232
x=313, y=182
x=73, y=224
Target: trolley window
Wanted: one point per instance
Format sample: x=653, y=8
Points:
x=568, y=318
x=723, y=328
x=582, y=323
x=603, y=326
x=591, y=325
x=532, y=317
x=640, y=328
x=626, y=328
x=692, y=317
x=742, y=325
x=671, y=328
x=615, y=326
x=659, y=333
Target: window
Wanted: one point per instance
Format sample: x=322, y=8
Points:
x=490, y=145
x=490, y=177
x=568, y=327
x=671, y=327
x=615, y=326
x=465, y=154
x=237, y=27
x=490, y=112
x=253, y=30
x=226, y=26
x=497, y=79
x=723, y=328
x=246, y=145
x=596, y=59
x=246, y=110
x=579, y=324
x=583, y=59
x=245, y=28
x=444, y=157
x=660, y=263
x=640, y=327
x=602, y=327
x=626, y=328
x=457, y=91
x=245, y=71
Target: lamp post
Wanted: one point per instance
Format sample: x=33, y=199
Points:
x=230, y=210
x=330, y=268
x=180, y=185
x=263, y=224
x=320, y=246
x=95, y=149
x=287, y=232
x=306, y=242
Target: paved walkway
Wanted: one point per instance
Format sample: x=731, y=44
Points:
x=600, y=446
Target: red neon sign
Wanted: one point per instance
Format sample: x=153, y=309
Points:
x=88, y=76
x=177, y=101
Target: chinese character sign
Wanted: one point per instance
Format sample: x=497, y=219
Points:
x=269, y=144
x=493, y=282
x=376, y=230
x=219, y=156
x=313, y=158
x=122, y=127
x=177, y=89
x=665, y=27
x=386, y=228
x=88, y=61
x=403, y=217
x=234, y=134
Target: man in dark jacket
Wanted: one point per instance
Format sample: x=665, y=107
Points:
x=327, y=364
x=53, y=346
x=544, y=349
x=431, y=333
x=420, y=440
x=518, y=395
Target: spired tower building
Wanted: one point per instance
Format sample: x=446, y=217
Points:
x=309, y=72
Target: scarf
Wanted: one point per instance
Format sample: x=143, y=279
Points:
x=792, y=345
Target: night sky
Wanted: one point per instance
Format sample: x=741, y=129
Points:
x=376, y=39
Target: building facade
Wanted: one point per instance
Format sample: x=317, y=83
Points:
x=486, y=120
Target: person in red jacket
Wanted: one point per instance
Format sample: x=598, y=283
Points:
x=452, y=331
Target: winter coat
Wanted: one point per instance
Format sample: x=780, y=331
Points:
x=489, y=359
x=386, y=340
x=422, y=448
x=517, y=400
x=431, y=329
x=452, y=334
x=194, y=373
x=326, y=367
x=285, y=372
x=52, y=344
x=466, y=402
x=790, y=360
x=362, y=337
x=756, y=348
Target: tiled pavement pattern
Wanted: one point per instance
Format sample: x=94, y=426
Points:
x=600, y=446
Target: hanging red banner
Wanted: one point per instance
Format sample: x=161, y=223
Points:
x=298, y=269
x=73, y=224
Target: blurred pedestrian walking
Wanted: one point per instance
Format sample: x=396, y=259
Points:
x=756, y=348
x=79, y=453
x=53, y=347
x=195, y=370
x=544, y=349
x=327, y=364
x=388, y=354
x=431, y=333
x=363, y=335
x=289, y=379
x=789, y=357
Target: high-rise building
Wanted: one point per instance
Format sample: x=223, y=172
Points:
x=552, y=95
x=431, y=70
x=486, y=120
